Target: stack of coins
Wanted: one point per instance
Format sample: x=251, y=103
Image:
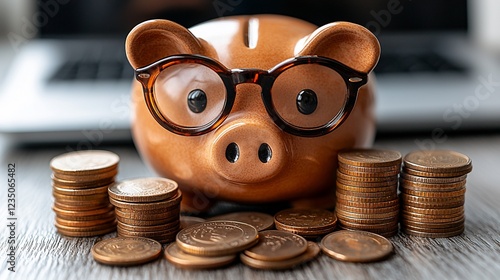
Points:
x=147, y=207
x=80, y=183
x=433, y=193
x=309, y=223
x=211, y=244
x=279, y=250
x=367, y=183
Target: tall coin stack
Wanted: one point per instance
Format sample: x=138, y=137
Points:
x=433, y=193
x=147, y=207
x=80, y=183
x=367, y=183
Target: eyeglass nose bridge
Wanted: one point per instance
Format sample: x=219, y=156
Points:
x=251, y=75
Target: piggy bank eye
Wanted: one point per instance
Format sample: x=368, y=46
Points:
x=308, y=95
x=189, y=94
x=307, y=101
x=197, y=100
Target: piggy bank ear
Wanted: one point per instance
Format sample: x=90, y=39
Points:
x=349, y=43
x=155, y=39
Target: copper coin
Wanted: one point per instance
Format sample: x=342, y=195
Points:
x=386, y=174
x=389, y=232
x=84, y=162
x=306, y=232
x=87, y=177
x=392, y=194
x=71, y=233
x=86, y=228
x=368, y=210
x=346, y=177
x=82, y=198
x=174, y=225
x=435, y=174
x=344, y=213
x=364, y=220
x=187, y=221
x=72, y=184
x=362, y=199
x=139, y=222
x=459, y=193
x=143, y=190
x=358, y=226
x=98, y=211
x=356, y=246
x=70, y=223
x=366, y=189
x=126, y=251
x=128, y=211
x=405, y=214
x=418, y=186
x=442, y=180
x=361, y=183
x=433, y=225
x=104, y=216
x=434, y=205
x=78, y=207
x=445, y=211
x=372, y=205
x=82, y=192
x=187, y=261
x=161, y=215
x=305, y=219
x=276, y=245
x=176, y=200
x=149, y=234
x=312, y=251
x=86, y=204
x=364, y=169
x=260, y=221
x=438, y=161
x=433, y=234
x=369, y=157
x=217, y=238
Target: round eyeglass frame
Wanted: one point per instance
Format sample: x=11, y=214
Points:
x=265, y=78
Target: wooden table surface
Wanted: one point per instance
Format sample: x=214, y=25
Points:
x=43, y=254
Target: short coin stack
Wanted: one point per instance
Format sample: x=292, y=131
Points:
x=367, y=182
x=433, y=193
x=279, y=250
x=80, y=183
x=211, y=244
x=309, y=223
x=147, y=207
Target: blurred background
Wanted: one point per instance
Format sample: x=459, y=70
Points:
x=64, y=76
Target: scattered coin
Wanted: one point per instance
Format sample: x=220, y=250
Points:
x=356, y=246
x=217, y=238
x=306, y=222
x=126, y=251
x=276, y=245
x=184, y=260
x=311, y=252
x=260, y=221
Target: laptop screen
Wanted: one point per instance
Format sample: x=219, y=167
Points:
x=117, y=17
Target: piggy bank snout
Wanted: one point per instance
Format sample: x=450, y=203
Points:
x=248, y=152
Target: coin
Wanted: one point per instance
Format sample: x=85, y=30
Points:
x=369, y=205
x=384, y=183
x=187, y=221
x=369, y=157
x=160, y=215
x=217, y=238
x=356, y=246
x=161, y=227
x=103, y=216
x=81, y=198
x=443, y=180
x=82, y=192
x=459, y=193
x=433, y=234
x=362, y=199
x=276, y=245
x=392, y=194
x=126, y=251
x=84, y=162
x=260, y=221
x=435, y=174
x=74, y=184
x=83, y=224
x=438, y=161
x=149, y=205
x=417, y=186
x=377, y=180
x=183, y=260
x=79, y=207
x=363, y=169
x=312, y=251
x=87, y=177
x=92, y=233
x=140, y=222
x=368, y=210
x=367, y=189
x=386, y=225
x=86, y=228
x=143, y=190
x=343, y=213
x=306, y=219
x=368, y=174
x=385, y=232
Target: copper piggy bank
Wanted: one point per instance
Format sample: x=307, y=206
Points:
x=251, y=109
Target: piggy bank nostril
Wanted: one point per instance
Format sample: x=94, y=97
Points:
x=265, y=153
x=232, y=152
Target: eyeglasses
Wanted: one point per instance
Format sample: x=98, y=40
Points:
x=305, y=96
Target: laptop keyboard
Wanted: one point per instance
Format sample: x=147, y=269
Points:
x=97, y=70
x=413, y=63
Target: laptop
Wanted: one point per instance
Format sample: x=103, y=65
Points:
x=72, y=83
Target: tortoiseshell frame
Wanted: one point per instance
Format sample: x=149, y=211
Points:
x=231, y=77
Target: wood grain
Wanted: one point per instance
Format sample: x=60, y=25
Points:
x=44, y=254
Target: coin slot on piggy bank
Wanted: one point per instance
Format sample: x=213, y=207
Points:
x=251, y=123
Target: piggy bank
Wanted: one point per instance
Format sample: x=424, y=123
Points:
x=251, y=109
